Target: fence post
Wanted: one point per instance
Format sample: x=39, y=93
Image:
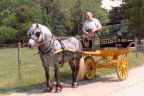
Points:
x=19, y=60
x=137, y=46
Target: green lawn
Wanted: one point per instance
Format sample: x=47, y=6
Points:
x=32, y=71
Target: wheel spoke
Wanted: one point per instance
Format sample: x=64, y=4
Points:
x=122, y=67
x=90, y=64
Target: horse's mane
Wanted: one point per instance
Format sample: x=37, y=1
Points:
x=44, y=28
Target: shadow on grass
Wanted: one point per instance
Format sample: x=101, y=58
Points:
x=66, y=78
x=23, y=88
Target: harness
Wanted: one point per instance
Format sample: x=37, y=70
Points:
x=63, y=52
x=44, y=51
x=49, y=48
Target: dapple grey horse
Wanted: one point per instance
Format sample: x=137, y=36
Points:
x=40, y=36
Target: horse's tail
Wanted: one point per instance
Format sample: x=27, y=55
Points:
x=82, y=69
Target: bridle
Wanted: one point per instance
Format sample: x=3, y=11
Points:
x=41, y=44
x=49, y=47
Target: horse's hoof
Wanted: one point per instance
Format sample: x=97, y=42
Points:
x=74, y=85
x=61, y=85
x=48, y=90
x=58, y=90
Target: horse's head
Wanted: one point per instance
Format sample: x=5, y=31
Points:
x=35, y=34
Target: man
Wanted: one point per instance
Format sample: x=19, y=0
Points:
x=90, y=28
x=91, y=25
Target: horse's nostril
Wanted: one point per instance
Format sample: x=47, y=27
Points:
x=29, y=46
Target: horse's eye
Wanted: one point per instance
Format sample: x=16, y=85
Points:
x=29, y=35
x=32, y=32
x=38, y=34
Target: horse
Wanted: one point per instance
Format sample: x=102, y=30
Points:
x=40, y=36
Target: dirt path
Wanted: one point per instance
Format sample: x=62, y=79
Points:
x=102, y=86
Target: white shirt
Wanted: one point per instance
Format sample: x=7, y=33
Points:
x=93, y=24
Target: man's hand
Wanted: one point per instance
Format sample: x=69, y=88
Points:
x=98, y=28
x=86, y=33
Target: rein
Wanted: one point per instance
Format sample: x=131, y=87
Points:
x=49, y=48
x=43, y=43
x=56, y=38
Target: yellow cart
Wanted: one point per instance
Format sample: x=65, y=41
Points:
x=110, y=57
x=114, y=58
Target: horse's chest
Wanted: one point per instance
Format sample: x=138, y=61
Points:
x=56, y=59
x=51, y=60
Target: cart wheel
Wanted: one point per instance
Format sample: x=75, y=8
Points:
x=122, y=67
x=90, y=68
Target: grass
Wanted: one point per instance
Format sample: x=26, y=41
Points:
x=32, y=70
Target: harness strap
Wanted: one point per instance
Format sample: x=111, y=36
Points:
x=44, y=52
x=48, y=49
x=43, y=43
x=62, y=47
x=61, y=43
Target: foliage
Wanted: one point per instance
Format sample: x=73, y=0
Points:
x=7, y=33
x=63, y=17
x=67, y=16
x=134, y=12
x=116, y=16
x=18, y=15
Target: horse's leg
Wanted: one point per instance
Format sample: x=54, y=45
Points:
x=72, y=68
x=49, y=85
x=46, y=69
x=75, y=69
x=59, y=85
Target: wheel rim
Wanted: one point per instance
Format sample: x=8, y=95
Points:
x=122, y=67
x=90, y=68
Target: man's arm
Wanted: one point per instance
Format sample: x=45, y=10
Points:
x=98, y=25
x=98, y=28
x=84, y=29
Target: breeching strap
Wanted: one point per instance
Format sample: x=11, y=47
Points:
x=62, y=47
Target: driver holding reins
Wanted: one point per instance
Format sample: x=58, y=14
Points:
x=91, y=26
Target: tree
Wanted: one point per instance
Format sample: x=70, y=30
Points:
x=67, y=16
x=121, y=24
x=134, y=12
x=18, y=15
x=63, y=17
x=7, y=33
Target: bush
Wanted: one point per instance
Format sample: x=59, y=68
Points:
x=7, y=33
